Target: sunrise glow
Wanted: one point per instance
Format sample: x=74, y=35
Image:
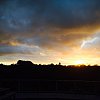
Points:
x=66, y=31
x=79, y=62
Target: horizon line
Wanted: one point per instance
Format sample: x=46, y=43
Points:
x=59, y=63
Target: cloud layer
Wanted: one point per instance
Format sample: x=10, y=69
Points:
x=39, y=26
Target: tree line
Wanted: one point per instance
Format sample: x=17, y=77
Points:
x=27, y=69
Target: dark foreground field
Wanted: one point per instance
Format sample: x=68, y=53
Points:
x=28, y=70
x=28, y=89
x=26, y=80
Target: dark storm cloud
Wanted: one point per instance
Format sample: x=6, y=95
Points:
x=42, y=22
x=25, y=49
x=20, y=15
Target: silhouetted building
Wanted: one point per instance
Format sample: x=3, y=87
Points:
x=21, y=62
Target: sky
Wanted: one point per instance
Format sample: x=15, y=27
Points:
x=50, y=31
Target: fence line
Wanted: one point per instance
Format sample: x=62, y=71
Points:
x=66, y=86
